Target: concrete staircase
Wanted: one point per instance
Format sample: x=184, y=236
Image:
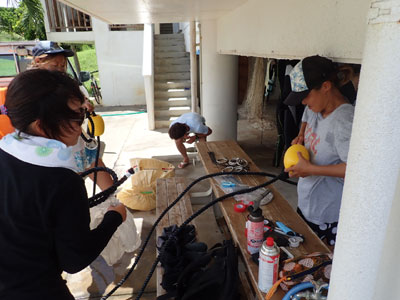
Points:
x=171, y=79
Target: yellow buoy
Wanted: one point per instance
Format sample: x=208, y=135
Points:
x=98, y=125
x=291, y=158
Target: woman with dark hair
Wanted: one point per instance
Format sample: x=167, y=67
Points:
x=326, y=130
x=49, y=55
x=44, y=211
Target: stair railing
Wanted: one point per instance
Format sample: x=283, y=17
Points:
x=148, y=72
x=63, y=18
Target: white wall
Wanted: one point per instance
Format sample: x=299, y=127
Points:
x=119, y=57
x=71, y=37
x=185, y=27
x=307, y=27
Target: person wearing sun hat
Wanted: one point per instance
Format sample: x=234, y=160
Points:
x=325, y=132
x=51, y=54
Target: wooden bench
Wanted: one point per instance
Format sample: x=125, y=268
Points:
x=278, y=210
x=168, y=189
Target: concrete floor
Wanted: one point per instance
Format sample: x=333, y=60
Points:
x=126, y=137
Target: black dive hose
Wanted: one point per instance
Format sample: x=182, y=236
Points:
x=244, y=191
x=96, y=163
x=103, y=195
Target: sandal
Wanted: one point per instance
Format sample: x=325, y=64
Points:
x=183, y=164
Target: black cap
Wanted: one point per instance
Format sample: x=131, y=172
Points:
x=309, y=73
x=49, y=47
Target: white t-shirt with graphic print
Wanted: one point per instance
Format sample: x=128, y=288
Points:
x=327, y=140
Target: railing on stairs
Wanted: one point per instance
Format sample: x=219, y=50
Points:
x=148, y=72
x=63, y=18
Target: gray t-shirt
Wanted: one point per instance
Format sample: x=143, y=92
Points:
x=327, y=140
x=195, y=122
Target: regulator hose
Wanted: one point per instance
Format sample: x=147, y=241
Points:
x=103, y=195
x=244, y=191
x=297, y=288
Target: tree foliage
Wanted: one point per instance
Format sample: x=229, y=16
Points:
x=8, y=17
x=25, y=20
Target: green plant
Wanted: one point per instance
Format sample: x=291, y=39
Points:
x=88, y=61
x=8, y=37
x=25, y=20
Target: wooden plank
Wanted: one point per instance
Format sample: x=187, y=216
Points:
x=185, y=203
x=175, y=216
x=161, y=205
x=167, y=191
x=60, y=7
x=277, y=210
x=248, y=292
x=79, y=19
x=159, y=275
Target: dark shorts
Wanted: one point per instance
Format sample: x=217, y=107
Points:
x=326, y=231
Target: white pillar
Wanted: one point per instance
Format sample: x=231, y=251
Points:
x=219, y=76
x=193, y=67
x=156, y=28
x=365, y=264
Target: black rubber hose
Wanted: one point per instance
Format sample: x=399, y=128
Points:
x=96, y=164
x=188, y=220
x=102, y=196
x=178, y=198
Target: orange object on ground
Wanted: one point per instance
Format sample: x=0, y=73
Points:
x=5, y=123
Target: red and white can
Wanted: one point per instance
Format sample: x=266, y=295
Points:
x=255, y=231
x=268, y=265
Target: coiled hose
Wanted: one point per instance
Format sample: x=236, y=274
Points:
x=103, y=195
x=244, y=191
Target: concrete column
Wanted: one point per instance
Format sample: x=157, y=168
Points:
x=193, y=67
x=366, y=254
x=156, y=28
x=219, y=76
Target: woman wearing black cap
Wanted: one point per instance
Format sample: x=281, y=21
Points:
x=327, y=123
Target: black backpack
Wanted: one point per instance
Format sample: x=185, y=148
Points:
x=214, y=276
x=192, y=272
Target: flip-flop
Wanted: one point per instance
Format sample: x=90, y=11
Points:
x=183, y=164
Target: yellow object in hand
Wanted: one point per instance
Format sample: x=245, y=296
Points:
x=291, y=158
x=98, y=125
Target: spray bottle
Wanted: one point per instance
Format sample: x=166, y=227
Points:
x=268, y=265
x=255, y=228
